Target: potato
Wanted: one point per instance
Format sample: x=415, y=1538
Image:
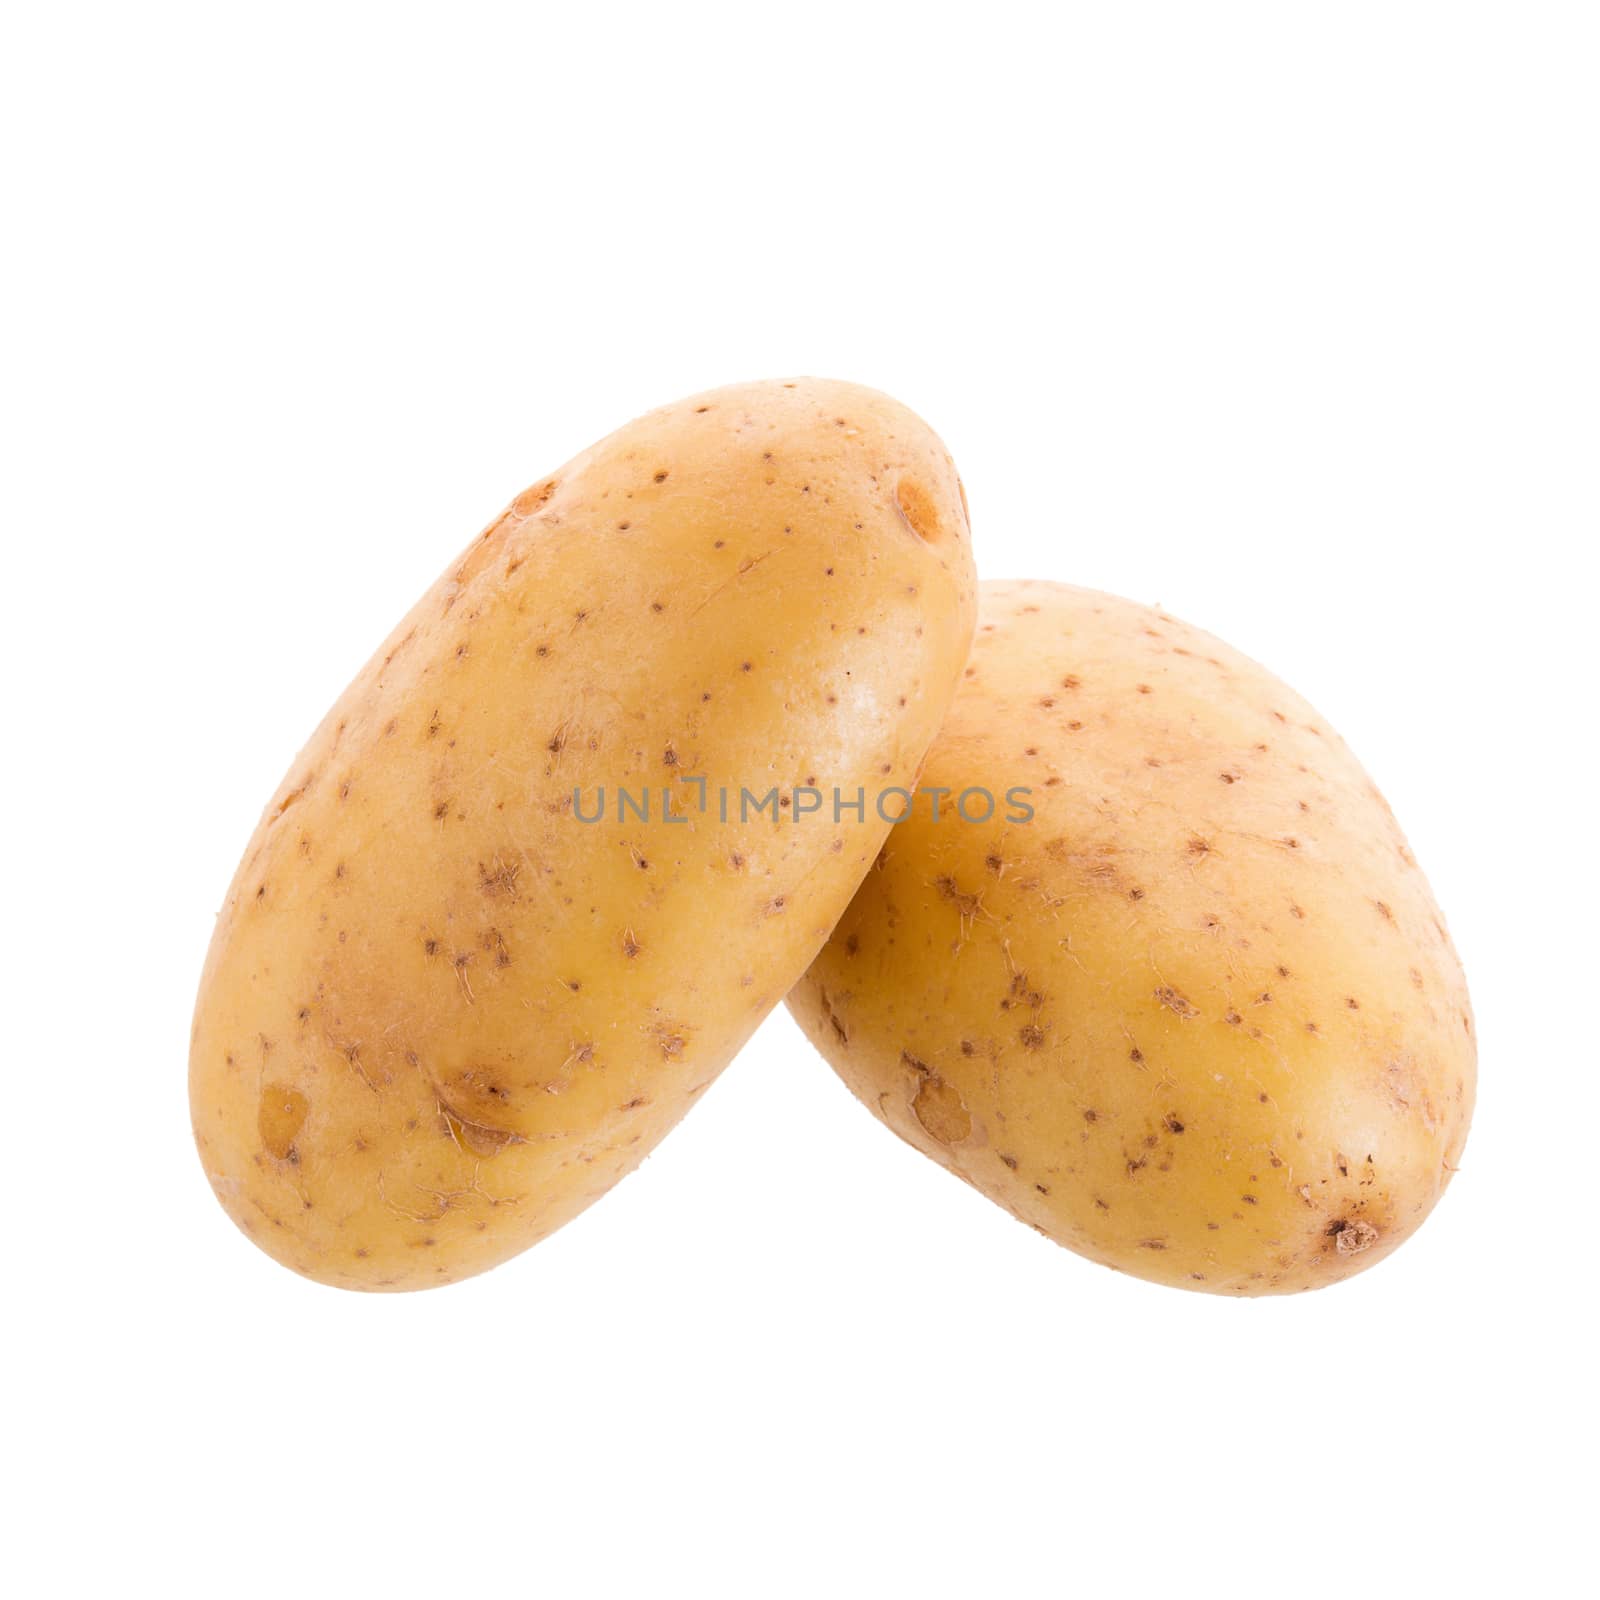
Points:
x=1198, y=1018
x=445, y=1007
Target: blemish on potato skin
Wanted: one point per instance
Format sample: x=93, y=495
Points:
x=938, y=1106
x=279, y=1118
x=1351, y=1238
x=1176, y=1002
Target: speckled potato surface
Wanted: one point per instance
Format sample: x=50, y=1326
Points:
x=1199, y=1019
x=440, y=1014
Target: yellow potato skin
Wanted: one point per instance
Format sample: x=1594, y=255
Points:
x=1199, y=1019
x=440, y=1015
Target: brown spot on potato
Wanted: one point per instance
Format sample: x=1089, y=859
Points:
x=938, y=1106
x=671, y=1039
x=1351, y=1238
x=534, y=499
x=1175, y=1002
x=499, y=878
x=918, y=510
x=279, y=1119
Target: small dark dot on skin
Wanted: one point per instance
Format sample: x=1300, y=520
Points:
x=745, y=666
x=661, y=477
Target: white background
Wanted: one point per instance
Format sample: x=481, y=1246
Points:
x=1284, y=316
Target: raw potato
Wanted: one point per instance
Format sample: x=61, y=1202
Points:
x=440, y=1014
x=1199, y=1019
